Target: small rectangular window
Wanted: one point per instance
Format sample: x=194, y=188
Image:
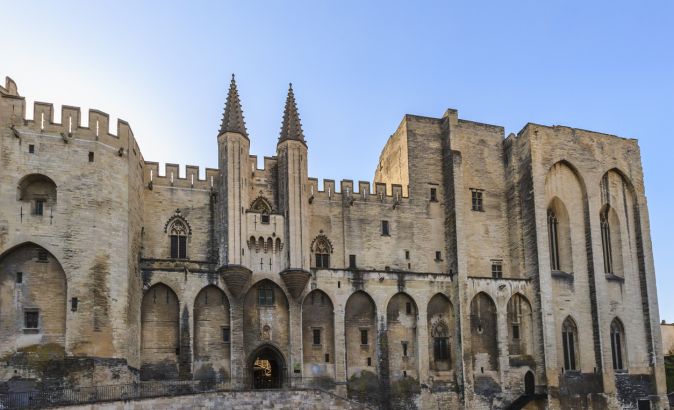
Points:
x=317, y=336
x=434, y=195
x=438, y=255
x=476, y=199
x=73, y=304
x=264, y=218
x=327, y=358
x=516, y=331
x=265, y=296
x=369, y=361
x=363, y=337
x=31, y=149
x=19, y=277
x=385, y=228
x=39, y=206
x=352, y=261
x=42, y=256
x=91, y=156
x=404, y=348
x=496, y=270
x=408, y=308
x=407, y=255
x=31, y=319
x=225, y=334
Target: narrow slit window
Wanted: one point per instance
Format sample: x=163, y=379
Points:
x=434, y=195
x=352, y=261
x=476, y=200
x=363, y=337
x=91, y=156
x=317, y=337
x=225, y=335
x=19, y=277
x=385, y=228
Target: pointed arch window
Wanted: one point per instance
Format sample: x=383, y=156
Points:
x=570, y=344
x=618, y=345
x=262, y=206
x=441, y=342
x=322, y=248
x=178, y=235
x=606, y=241
x=553, y=236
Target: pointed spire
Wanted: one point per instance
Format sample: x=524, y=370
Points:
x=232, y=118
x=291, y=129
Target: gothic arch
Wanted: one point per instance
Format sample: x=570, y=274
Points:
x=211, y=334
x=160, y=347
x=321, y=248
x=440, y=325
x=570, y=353
x=261, y=205
x=360, y=332
x=520, y=326
x=318, y=335
x=33, y=288
x=266, y=317
x=618, y=345
x=611, y=241
x=401, y=335
x=559, y=236
x=177, y=218
x=484, y=333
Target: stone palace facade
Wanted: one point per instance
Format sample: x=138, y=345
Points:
x=477, y=270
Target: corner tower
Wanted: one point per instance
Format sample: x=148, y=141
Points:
x=233, y=153
x=292, y=177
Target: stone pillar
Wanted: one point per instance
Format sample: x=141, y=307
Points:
x=237, y=351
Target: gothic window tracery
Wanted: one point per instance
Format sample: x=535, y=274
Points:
x=440, y=334
x=321, y=248
x=570, y=344
x=261, y=206
x=178, y=230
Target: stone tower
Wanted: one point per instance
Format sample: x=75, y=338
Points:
x=233, y=153
x=292, y=176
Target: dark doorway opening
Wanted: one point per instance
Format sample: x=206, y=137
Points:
x=267, y=368
x=529, y=384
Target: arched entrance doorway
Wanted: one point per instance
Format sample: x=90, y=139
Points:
x=529, y=384
x=267, y=368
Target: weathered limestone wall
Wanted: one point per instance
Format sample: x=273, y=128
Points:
x=86, y=229
x=667, y=338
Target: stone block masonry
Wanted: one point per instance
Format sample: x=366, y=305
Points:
x=475, y=271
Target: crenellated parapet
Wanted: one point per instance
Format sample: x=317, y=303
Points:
x=171, y=177
x=350, y=192
x=70, y=128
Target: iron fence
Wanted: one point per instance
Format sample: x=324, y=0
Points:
x=141, y=390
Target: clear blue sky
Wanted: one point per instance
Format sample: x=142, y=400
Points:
x=357, y=67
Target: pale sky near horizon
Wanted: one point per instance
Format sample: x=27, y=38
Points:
x=357, y=67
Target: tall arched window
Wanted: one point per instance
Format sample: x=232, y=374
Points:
x=559, y=237
x=178, y=235
x=570, y=344
x=554, y=240
x=606, y=241
x=322, y=248
x=440, y=335
x=618, y=345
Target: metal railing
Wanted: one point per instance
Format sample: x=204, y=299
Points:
x=141, y=390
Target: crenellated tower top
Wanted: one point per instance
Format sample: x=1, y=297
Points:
x=291, y=129
x=232, y=118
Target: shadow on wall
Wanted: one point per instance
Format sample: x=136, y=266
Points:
x=669, y=371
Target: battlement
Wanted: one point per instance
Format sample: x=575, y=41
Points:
x=171, y=177
x=389, y=193
x=268, y=163
x=71, y=122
